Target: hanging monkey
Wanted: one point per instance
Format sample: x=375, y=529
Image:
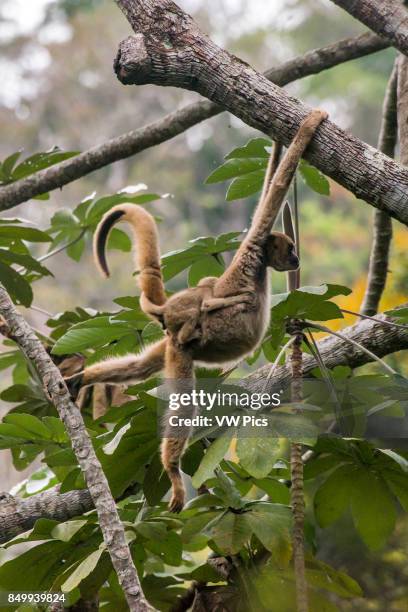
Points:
x=222, y=319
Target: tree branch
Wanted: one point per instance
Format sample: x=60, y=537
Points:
x=380, y=339
x=18, y=515
x=169, y=49
x=382, y=226
x=54, y=385
x=388, y=18
x=134, y=142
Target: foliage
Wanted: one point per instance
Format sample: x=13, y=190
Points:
x=244, y=510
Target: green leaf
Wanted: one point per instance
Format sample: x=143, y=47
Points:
x=236, y=167
x=6, y=167
x=206, y=266
x=66, y=531
x=39, y=161
x=401, y=314
x=119, y=240
x=83, y=570
x=16, y=285
x=212, y=458
x=272, y=524
x=402, y=462
x=44, y=561
x=230, y=533
x=333, y=497
x=28, y=262
x=398, y=483
x=277, y=491
x=257, y=455
x=246, y=185
x=29, y=424
x=168, y=547
x=314, y=178
x=92, y=333
x=372, y=508
x=256, y=147
x=29, y=234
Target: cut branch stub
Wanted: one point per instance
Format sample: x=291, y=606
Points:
x=178, y=54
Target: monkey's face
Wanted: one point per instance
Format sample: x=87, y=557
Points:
x=281, y=253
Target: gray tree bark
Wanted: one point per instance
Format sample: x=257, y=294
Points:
x=388, y=18
x=382, y=226
x=176, y=123
x=54, y=385
x=168, y=48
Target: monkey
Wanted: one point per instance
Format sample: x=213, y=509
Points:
x=226, y=318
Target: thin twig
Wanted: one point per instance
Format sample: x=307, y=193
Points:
x=354, y=343
x=278, y=358
x=381, y=322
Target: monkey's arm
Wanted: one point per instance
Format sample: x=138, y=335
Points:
x=216, y=303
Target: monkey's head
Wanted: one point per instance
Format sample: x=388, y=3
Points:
x=281, y=253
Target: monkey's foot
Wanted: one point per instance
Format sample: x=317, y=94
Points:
x=176, y=503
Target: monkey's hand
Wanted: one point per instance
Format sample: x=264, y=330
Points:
x=74, y=384
x=218, y=303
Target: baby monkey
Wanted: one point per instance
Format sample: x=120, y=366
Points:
x=221, y=320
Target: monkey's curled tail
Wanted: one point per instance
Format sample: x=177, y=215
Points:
x=147, y=247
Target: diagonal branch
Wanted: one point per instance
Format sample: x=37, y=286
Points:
x=388, y=18
x=54, y=385
x=176, y=123
x=169, y=49
x=377, y=338
x=382, y=227
x=19, y=515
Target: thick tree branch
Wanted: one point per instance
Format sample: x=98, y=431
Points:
x=388, y=18
x=382, y=226
x=380, y=339
x=54, y=385
x=169, y=49
x=134, y=142
x=18, y=515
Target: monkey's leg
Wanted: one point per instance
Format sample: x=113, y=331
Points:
x=179, y=370
x=221, y=302
x=190, y=330
x=124, y=369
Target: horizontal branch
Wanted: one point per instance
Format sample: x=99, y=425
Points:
x=19, y=515
x=176, y=123
x=169, y=49
x=388, y=18
x=377, y=338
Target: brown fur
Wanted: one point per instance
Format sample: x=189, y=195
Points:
x=223, y=320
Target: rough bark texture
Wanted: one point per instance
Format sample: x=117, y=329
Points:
x=175, y=123
x=382, y=225
x=379, y=338
x=54, y=386
x=388, y=18
x=403, y=107
x=169, y=49
x=19, y=515
x=296, y=491
x=15, y=514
